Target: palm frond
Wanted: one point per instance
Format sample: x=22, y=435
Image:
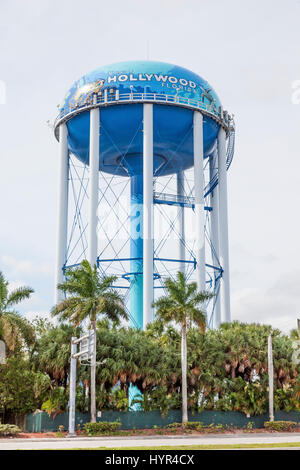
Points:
x=18, y=295
x=91, y=295
x=3, y=290
x=15, y=329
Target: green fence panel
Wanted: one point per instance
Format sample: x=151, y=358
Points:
x=49, y=423
x=33, y=422
x=42, y=422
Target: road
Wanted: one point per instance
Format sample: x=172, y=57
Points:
x=153, y=441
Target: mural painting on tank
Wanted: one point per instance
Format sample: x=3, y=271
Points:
x=172, y=124
x=142, y=77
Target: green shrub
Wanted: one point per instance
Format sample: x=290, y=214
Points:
x=56, y=402
x=103, y=427
x=190, y=425
x=280, y=425
x=218, y=427
x=250, y=425
x=9, y=430
x=159, y=431
x=212, y=428
x=173, y=426
x=60, y=432
x=193, y=425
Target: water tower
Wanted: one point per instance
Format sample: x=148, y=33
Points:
x=144, y=151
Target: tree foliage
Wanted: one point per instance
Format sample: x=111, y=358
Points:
x=226, y=369
x=15, y=330
x=90, y=296
x=19, y=393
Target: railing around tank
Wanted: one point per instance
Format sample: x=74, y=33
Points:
x=106, y=97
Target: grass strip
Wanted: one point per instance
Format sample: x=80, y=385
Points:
x=197, y=447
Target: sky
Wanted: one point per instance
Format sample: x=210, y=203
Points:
x=248, y=51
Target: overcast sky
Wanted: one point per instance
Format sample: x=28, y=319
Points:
x=248, y=51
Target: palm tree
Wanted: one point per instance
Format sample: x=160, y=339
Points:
x=14, y=329
x=90, y=296
x=183, y=304
x=52, y=352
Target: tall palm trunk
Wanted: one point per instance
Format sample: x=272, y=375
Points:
x=184, y=373
x=93, y=377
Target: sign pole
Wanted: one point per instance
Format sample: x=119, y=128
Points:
x=72, y=392
x=271, y=379
x=88, y=352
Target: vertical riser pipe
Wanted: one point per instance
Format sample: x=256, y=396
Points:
x=136, y=251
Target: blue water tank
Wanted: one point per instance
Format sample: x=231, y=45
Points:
x=175, y=92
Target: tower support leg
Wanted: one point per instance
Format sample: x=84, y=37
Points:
x=223, y=223
x=147, y=214
x=199, y=199
x=214, y=232
x=180, y=218
x=93, y=184
x=92, y=232
x=62, y=226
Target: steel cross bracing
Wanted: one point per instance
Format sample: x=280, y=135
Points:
x=78, y=187
x=114, y=255
x=170, y=266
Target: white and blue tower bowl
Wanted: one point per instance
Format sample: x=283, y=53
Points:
x=136, y=138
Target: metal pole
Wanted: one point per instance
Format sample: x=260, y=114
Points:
x=62, y=226
x=72, y=391
x=223, y=224
x=271, y=379
x=92, y=235
x=147, y=214
x=180, y=218
x=93, y=378
x=94, y=183
x=199, y=199
x=214, y=231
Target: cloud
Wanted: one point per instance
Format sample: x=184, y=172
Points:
x=263, y=179
x=19, y=267
x=33, y=306
x=278, y=305
x=32, y=314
